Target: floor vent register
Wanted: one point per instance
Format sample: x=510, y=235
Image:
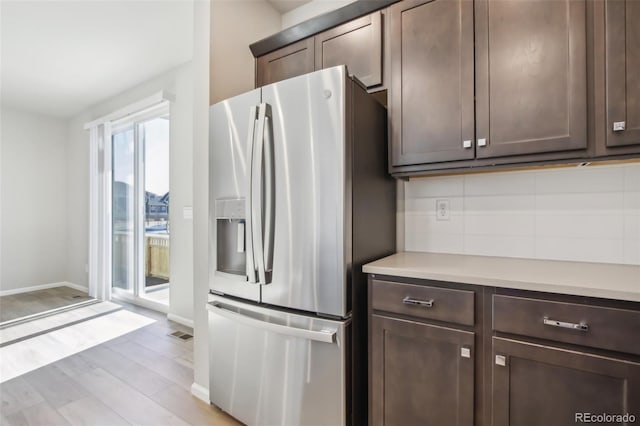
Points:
x=181, y=335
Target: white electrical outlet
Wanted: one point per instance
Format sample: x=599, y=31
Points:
x=442, y=209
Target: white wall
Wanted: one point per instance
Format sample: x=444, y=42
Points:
x=201, y=30
x=78, y=200
x=234, y=26
x=310, y=10
x=179, y=82
x=223, y=30
x=579, y=214
x=181, y=187
x=34, y=202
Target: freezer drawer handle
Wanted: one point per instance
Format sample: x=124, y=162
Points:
x=574, y=326
x=326, y=336
x=416, y=302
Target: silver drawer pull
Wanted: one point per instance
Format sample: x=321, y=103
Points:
x=411, y=301
x=573, y=326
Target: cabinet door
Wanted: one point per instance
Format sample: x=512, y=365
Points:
x=536, y=385
x=420, y=374
x=530, y=76
x=356, y=44
x=431, y=93
x=290, y=61
x=623, y=72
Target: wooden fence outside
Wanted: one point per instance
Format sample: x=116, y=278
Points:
x=157, y=256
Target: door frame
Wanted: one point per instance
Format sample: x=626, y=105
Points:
x=101, y=131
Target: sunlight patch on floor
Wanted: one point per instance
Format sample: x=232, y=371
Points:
x=48, y=323
x=27, y=355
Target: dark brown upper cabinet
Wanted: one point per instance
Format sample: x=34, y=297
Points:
x=290, y=61
x=622, y=72
x=431, y=90
x=478, y=83
x=531, y=86
x=530, y=76
x=356, y=44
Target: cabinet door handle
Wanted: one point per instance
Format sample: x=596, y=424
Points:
x=570, y=325
x=482, y=142
x=416, y=302
x=467, y=144
x=619, y=126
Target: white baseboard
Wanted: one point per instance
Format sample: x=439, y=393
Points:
x=180, y=320
x=200, y=392
x=43, y=287
x=77, y=286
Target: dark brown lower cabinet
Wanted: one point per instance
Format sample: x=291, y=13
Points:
x=421, y=374
x=452, y=354
x=536, y=385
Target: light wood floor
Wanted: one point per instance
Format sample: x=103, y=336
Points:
x=141, y=378
x=37, y=326
x=34, y=302
x=160, y=296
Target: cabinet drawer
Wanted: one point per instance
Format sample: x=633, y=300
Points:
x=442, y=304
x=594, y=326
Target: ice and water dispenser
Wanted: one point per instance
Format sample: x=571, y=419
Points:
x=230, y=231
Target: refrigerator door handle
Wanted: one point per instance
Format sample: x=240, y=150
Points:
x=325, y=336
x=269, y=192
x=251, y=267
x=257, y=201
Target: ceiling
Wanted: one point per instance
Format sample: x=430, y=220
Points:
x=60, y=57
x=284, y=6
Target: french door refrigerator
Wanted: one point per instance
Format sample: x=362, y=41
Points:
x=299, y=200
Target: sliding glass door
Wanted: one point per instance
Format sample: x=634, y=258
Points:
x=156, y=208
x=140, y=209
x=124, y=227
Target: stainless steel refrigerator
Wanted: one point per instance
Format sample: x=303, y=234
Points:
x=299, y=200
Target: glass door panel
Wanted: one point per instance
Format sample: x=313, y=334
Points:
x=156, y=208
x=124, y=211
x=140, y=209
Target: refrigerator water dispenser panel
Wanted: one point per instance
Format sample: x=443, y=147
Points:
x=230, y=232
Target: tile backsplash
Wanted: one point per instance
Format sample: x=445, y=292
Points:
x=589, y=214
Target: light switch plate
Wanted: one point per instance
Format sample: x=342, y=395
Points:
x=187, y=212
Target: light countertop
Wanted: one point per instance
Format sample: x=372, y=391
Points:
x=610, y=281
